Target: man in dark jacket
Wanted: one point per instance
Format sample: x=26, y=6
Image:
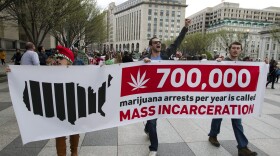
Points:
x=157, y=54
x=16, y=57
x=42, y=55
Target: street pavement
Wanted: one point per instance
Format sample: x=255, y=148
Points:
x=177, y=137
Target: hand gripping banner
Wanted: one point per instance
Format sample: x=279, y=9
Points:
x=53, y=101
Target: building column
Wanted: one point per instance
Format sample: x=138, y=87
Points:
x=276, y=52
x=270, y=48
x=17, y=44
x=261, y=48
x=2, y=44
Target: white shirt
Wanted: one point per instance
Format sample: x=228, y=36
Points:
x=30, y=58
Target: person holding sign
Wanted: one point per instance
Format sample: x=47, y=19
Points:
x=66, y=57
x=157, y=54
x=235, y=49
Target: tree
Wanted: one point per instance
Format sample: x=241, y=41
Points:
x=96, y=33
x=39, y=17
x=275, y=32
x=5, y=3
x=197, y=43
x=73, y=28
x=225, y=38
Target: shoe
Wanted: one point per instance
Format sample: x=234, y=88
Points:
x=246, y=152
x=152, y=153
x=214, y=141
x=272, y=88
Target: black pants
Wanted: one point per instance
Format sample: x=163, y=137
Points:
x=3, y=61
x=276, y=79
x=271, y=80
x=151, y=128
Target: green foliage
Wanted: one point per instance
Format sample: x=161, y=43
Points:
x=275, y=32
x=197, y=43
x=80, y=23
x=209, y=55
x=97, y=33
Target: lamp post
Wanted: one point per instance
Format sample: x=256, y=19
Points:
x=245, y=45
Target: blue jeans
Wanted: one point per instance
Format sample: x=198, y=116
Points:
x=151, y=128
x=241, y=139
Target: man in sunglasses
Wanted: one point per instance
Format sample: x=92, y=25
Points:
x=156, y=53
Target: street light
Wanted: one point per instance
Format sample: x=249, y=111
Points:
x=246, y=37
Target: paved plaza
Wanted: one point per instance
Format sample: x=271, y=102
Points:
x=177, y=137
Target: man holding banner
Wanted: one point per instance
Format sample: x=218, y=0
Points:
x=235, y=49
x=156, y=54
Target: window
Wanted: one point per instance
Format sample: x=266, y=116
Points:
x=178, y=13
x=267, y=46
x=167, y=13
x=274, y=46
x=155, y=12
x=161, y=12
x=173, y=13
x=150, y=12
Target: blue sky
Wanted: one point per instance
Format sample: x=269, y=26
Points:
x=197, y=5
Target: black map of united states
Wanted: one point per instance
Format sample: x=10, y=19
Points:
x=95, y=99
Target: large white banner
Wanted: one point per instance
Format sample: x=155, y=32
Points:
x=53, y=101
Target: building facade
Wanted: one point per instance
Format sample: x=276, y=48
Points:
x=12, y=36
x=230, y=17
x=270, y=43
x=136, y=21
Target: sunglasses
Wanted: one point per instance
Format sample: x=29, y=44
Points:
x=156, y=42
x=60, y=58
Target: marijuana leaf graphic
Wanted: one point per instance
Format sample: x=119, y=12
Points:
x=140, y=81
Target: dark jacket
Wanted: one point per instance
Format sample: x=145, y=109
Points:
x=165, y=54
x=42, y=58
x=228, y=59
x=16, y=58
x=127, y=58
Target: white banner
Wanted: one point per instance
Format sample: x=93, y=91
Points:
x=53, y=101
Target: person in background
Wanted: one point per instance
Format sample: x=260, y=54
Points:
x=77, y=60
x=30, y=57
x=118, y=58
x=247, y=58
x=127, y=57
x=42, y=55
x=277, y=75
x=65, y=57
x=203, y=57
x=16, y=57
x=2, y=56
x=108, y=60
x=272, y=73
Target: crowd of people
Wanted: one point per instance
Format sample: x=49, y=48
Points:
x=65, y=56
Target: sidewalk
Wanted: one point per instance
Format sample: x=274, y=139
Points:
x=177, y=137
x=3, y=76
